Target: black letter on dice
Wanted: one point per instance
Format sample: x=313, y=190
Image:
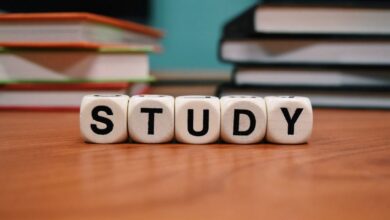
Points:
x=236, y=122
x=291, y=121
x=190, y=123
x=97, y=117
x=151, y=112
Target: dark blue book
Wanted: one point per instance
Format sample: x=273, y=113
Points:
x=321, y=19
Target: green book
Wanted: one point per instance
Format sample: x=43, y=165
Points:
x=118, y=64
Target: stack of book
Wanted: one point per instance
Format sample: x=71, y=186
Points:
x=51, y=60
x=336, y=53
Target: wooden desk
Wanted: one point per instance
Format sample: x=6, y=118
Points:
x=47, y=172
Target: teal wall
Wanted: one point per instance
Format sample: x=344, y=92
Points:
x=192, y=31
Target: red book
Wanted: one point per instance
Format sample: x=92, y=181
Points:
x=73, y=29
x=59, y=96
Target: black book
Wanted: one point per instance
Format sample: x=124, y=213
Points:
x=329, y=97
x=320, y=19
x=320, y=76
x=315, y=32
x=305, y=51
x=327, y=3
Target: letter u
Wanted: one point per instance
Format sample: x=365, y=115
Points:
x=190, y=123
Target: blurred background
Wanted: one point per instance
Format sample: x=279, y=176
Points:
x=192, y=28
x=335, y=52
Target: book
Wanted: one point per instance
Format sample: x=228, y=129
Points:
x=70, y=65
x=59, y=96
x=330, y=97
x=243, y=43
x=308, y=17
x=312, y=76
x=325, y=50
x=74, y=29
x=190, y=77
x=306, y=50
x=183, y=89
x=187, y=83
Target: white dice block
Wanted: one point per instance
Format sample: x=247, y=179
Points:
x=151, y=118
x=290, y=119
x=243, y=119
x=103, y=118
x=197, y=119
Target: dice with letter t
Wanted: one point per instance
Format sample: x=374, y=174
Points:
x=197, y=119
x=151, y=118
x=290, y=119
x=103, y=118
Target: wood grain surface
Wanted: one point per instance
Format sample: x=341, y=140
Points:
x=47, y=172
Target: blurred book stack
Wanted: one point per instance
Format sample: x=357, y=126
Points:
x=335, y=52
x=187, y=83
x=51, y=60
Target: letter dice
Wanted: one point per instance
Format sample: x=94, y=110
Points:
x=151, y=118
x=103, y=118
x=290, y=119
x=243, y=119
x=197, y=119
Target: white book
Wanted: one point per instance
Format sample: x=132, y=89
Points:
x=45, y=99
x=73, y=29
x=308, y=51
x=72, y=65
x=60, y=96
x=301, y=19
x=326, y=97
x=310, y=76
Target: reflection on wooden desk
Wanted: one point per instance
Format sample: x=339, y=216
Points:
x=47, y=172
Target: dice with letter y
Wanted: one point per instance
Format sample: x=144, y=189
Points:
x=151, y=118
x=197, y=119
x=290, y=119
x=103, y=118
x=243, y=119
